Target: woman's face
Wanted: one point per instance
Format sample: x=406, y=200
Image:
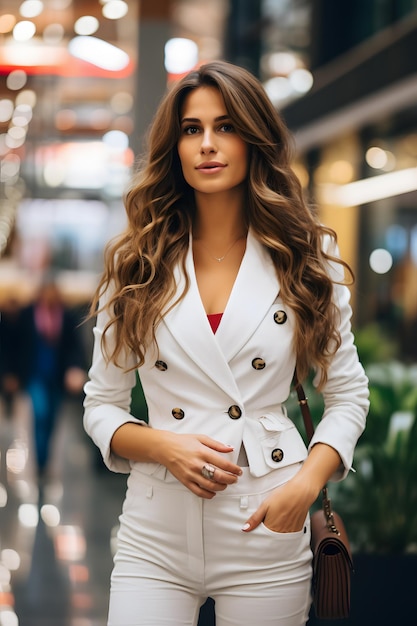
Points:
x=213, y=157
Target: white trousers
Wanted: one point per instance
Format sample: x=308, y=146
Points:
x=176, y=549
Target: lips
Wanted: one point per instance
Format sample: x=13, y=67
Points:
x=210, y=165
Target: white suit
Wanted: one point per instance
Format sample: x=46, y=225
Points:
x=205, y=374
x=231, y=385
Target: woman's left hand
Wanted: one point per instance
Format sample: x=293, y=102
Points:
x=285, y=509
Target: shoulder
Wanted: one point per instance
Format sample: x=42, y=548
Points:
x=329, y=245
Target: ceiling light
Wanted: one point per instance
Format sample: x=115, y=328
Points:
x=23, y=31
x=100, y=119
x=341, y=172
x=122, y=102
x=28, y=515
x=116, y=139
x=59, y=5
x=10, y=558
x=380, y=261
x=181, y=55
x=10, y=167
x=7, y=21
x=50, y=515
x=282, y=63
x=86, y=25
x=4, y=148
x=99, y=53
x=16, y=80
x=6, y=109
x=278, y=89
x=24, y=110
x=301, y=80
x=20, y=120
x=13, y=143
x=27, y=96
x=370, y=189
x=378, y=158
x=17, y=133
x=65, y=119
x=115, y=9
x=31, y=8
x=53, y=33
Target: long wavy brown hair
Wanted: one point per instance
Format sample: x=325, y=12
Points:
x=160, y=207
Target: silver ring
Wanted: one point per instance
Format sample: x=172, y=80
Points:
x=208, y=471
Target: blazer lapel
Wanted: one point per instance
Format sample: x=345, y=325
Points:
x=255, y=289
x=188, y=324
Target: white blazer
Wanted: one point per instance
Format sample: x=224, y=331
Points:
x=231, y=385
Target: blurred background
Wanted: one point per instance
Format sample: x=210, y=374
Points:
x=79, y=84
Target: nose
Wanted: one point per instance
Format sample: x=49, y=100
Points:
x=208, y=142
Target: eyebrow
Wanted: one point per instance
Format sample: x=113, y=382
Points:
x=194, y=120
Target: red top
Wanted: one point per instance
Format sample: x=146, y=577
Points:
x=214, y=319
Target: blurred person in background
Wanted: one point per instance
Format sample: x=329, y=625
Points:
x=223, y=282
x=9, y=351
x=42, y=353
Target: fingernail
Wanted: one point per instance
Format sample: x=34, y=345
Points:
x=229, y=446
x=246, y=526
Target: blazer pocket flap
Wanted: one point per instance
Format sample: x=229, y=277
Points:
x=272, y=444
x=275, y=423
x=285, y=449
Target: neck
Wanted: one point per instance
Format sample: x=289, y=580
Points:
x=219, y=222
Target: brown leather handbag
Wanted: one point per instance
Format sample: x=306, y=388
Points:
x=332, y=557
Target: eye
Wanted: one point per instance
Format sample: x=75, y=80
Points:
x=227, y=128
x=190, y=130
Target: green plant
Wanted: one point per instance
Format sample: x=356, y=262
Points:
x=374, y=345
x=379, y=501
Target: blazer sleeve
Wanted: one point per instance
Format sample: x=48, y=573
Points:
x=108, y=394
x=346, y=393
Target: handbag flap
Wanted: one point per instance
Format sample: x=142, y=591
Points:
x=321, y=531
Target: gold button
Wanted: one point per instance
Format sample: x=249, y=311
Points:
x=161, y=366
x=277, y=455
x=280, y=317
x=234, y=412
x=178, y=413
x=258, y=363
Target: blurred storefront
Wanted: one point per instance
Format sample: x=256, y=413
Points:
x=356, y=132
x=79, y=83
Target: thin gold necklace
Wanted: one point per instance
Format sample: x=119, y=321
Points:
x=219, y=259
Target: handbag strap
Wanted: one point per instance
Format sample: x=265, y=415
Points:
x=305, y=409
x=309, y=426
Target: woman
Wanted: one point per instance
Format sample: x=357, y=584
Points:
x=42, y=353
x=222, y=282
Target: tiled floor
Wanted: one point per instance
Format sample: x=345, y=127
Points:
x=55, y=538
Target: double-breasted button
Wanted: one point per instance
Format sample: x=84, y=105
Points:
x=178, y=413
x=234, y=412
x=161, y=366
x=258, y=363
x=277, y=455
x=280, y=317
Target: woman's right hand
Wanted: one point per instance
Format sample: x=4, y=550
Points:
x=186, y=455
